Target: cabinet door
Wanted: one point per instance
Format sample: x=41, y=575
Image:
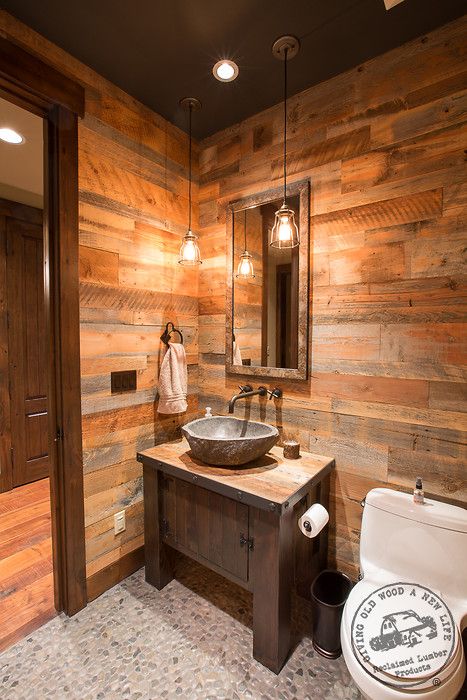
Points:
x=207, y=525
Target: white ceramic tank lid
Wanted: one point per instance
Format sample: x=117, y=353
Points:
x=431, y=512
x=404, y=635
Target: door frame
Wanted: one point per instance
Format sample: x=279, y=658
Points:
x=35, y=86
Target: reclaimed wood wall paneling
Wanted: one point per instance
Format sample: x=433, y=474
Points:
x=384, y=147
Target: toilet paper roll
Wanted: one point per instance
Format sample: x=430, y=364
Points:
x=313, y=520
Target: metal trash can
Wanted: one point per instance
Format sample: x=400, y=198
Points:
x=329, y=591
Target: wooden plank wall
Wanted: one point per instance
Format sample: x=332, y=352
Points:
x=133, y=212
x=384, y=147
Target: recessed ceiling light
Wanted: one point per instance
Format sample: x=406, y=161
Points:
x=10, y=136
x=225, y=70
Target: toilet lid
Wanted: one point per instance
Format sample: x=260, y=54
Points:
x=404, y=635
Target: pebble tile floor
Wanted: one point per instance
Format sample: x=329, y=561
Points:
x=191, y=640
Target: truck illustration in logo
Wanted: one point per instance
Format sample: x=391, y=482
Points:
x=404, y=628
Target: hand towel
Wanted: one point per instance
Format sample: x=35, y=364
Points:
x=237, y=355
x=173, y=380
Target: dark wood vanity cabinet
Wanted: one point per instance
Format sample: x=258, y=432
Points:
x=205, y=525
x=242, y=523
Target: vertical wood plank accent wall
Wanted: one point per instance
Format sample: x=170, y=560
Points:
x=384, y=148
x=133, y=182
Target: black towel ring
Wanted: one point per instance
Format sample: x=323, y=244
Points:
x=165, y=337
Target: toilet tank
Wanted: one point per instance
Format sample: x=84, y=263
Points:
x=424, y=544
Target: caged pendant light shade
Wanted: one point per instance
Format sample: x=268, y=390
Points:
x=189, y=250
x=284, y=233
x=245, y=266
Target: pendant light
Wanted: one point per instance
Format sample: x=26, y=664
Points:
x=189, y=250
x=245, y=266
x=284, y=233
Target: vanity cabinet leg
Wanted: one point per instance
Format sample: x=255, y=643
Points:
x=158, y=569
x=272, y=578
x=311, y=554
x=323, y=536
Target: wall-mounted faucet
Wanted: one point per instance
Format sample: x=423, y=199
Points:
x=246, y=391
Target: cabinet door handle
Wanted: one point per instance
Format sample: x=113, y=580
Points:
x=248, y=541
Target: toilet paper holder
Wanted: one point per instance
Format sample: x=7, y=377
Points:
x=313, y=520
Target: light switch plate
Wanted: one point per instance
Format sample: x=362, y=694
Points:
x=119, y=522
x=125, y=380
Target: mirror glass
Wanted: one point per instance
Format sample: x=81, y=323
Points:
x=265, y=320
x=267, y=288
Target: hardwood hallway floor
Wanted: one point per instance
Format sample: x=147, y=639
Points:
x=26, y=570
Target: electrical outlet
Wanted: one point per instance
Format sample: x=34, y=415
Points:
x=119, y=522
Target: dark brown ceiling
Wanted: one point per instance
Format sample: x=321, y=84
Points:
x=162, y=50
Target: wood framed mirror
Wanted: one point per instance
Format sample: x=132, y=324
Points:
x=267, y=315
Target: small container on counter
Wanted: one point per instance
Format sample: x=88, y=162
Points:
x=418, y=493
x=291, y=449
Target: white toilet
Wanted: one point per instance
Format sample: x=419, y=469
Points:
x=402, y=623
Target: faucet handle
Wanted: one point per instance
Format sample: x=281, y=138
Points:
x=276, y=393
x=245, y=388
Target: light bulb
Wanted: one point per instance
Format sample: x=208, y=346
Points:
x=245, y=266
x=285, y=229
x=189, y=251
x=284, y=233
x=225, y=70
x=10, y=136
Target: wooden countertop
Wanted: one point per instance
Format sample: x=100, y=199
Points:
x=271, y=483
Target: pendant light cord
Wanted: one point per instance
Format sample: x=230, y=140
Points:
x=244, y=229
x=285, y=123
x=189, y=168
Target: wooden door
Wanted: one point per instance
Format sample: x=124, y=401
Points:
x=283, y=319
x=287, y=313
x=27, y=347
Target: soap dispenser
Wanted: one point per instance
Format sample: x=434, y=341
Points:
x=208, y=413
x=418, y=493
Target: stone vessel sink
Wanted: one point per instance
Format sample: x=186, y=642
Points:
x=229, y=441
